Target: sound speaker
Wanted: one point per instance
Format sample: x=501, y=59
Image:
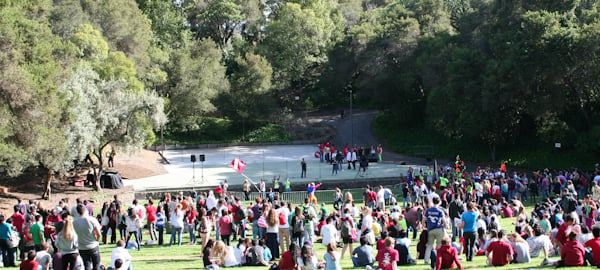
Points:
x=193, y=158
x=202, y=158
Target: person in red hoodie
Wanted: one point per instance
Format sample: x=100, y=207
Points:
x=572, y=252
x=446, y=256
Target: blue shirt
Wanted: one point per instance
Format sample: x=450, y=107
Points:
x=470, y=219
x=434, y=216
x=5, y=231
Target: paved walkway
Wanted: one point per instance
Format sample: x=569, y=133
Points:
x=262, y=162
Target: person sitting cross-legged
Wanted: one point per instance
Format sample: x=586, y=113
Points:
x=363, y=255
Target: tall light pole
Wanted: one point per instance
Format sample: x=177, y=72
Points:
x=351, y=121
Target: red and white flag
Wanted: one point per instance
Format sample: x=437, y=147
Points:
x=238, y=165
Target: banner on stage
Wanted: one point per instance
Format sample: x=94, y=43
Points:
x=238, y=165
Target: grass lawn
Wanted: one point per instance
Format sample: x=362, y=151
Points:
x=189, y=257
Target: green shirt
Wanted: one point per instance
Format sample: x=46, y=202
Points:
x=443, y=181
x=402, y=224
x=35, y=233
x=288, y=184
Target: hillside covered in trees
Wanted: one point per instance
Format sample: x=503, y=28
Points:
x=79, y=75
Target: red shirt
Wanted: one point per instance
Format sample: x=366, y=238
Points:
x=447, y=256
x=500, y=251
x=18, y=221
x=385, y=258
x=151, y=213
x=562, y=233
x=381, y=244
x=225, y=225
x=573, y=253
x=29, y=265
x=51, y=221
x=594, y=244
x=287, y=262
x=234, y=211
x=191, y=216
x=372, y=196
x=508, y=213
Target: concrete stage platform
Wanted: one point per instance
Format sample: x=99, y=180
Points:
x=262, y=162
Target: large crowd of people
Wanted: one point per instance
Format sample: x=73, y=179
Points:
x=456, y=216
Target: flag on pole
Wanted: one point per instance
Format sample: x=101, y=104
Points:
x=238, y=165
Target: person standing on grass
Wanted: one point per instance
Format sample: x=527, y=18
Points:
x=5, y=243
x=284, y=226
x=190, y=218
x=88, y=234
x=160, y=224
x=469, y=227
x=37, y=232
x=225, y=224
x=151, y=219
x=176, y=224
x=204, y=227
x=435, y=219
x=132, y=220
x=272, y=232
x=67, y=244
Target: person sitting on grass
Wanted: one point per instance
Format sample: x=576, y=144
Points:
x=121, y=253
x=499, y=252
x=268, y=256
x=521, y=248
x=44, y=258
x=225, y=254
x=29, y=263
x=332, y=258
x=445, y=257
x=206, y=253
x=387, y=257
x=594, y=244
x=363, y=255
x=572, y=252
x=307, y=259
x=255, y=256
x=287, y=258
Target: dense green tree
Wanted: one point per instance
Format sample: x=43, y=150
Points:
x=197, y=76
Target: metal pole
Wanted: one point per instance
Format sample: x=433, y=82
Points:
x=351, y=122
x=263, y=172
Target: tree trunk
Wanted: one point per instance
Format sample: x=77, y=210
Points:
x=493, y=151
x=97, y=186
x=48, y=189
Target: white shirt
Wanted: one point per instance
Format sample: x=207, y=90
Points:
x=120, y=253
x=329, y=234
x=537, y=244
x=286, y=213
x=381, y=196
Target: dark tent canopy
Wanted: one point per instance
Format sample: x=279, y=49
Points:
x=111, y=179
